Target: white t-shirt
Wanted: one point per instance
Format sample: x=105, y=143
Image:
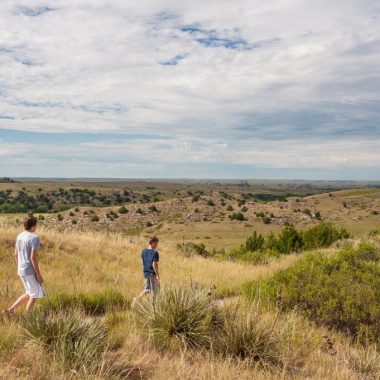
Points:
x=25, y=243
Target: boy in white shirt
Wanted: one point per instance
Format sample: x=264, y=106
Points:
x=27, y=245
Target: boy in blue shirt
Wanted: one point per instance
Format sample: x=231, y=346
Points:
x=150, y=258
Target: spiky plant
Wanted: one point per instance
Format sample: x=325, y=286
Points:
x=178, y=317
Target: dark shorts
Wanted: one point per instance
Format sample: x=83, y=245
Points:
x=151, y=284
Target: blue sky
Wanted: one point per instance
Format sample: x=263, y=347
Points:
x=202, y=89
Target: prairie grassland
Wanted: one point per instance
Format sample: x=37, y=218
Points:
x=91, y=262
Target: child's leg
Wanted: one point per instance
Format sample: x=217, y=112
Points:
x=142, y=294
x=31, y=303
x=23, y=299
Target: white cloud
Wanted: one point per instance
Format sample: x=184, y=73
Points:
x=307, y=76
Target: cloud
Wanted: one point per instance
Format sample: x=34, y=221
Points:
x=278, y=74
x=173, y=61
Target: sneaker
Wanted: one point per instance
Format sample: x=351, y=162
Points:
x=7, y=314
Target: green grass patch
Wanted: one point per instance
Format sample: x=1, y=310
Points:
x=91, y=303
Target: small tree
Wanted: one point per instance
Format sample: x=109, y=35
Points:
x=290, y=240
x=254, y=242
x=271, y=242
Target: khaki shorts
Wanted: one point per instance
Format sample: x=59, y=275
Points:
x=32, y=287
x=151, y=284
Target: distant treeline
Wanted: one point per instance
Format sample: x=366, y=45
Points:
x=61, y=200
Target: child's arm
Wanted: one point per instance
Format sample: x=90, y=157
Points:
x=155, y=267
x=36, y=266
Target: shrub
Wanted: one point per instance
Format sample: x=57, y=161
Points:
x=237, y=216
x=290, y=240
x=244, y=209
x=153, y=208
x=254, y=242
x=210, y=202
x=178, y=317
x=341, y=291
x=307, y=211
x=59, y=217
x=189, y=249
x=229, y=208
x=122, y=210
x=94, y=218
x=271, y=242
x=266, y=220
x=322, y=235
x=252, y=257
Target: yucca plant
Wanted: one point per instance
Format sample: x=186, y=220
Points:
x=178, y=317
x=74, y=342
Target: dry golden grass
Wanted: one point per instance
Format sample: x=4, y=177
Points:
x=91, y=262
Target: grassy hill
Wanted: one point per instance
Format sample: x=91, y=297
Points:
x=211, y=320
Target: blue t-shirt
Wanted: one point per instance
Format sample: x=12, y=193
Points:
x=148, y=257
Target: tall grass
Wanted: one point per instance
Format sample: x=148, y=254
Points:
x=91, y=303
x=247, y=335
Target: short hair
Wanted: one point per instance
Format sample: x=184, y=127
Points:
x=30, y=222
x=153, y=240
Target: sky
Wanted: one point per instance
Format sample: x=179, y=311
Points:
x=284, y=89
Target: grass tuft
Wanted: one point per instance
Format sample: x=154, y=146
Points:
x=247, y=335
x=77, y=344
x=178, y=317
